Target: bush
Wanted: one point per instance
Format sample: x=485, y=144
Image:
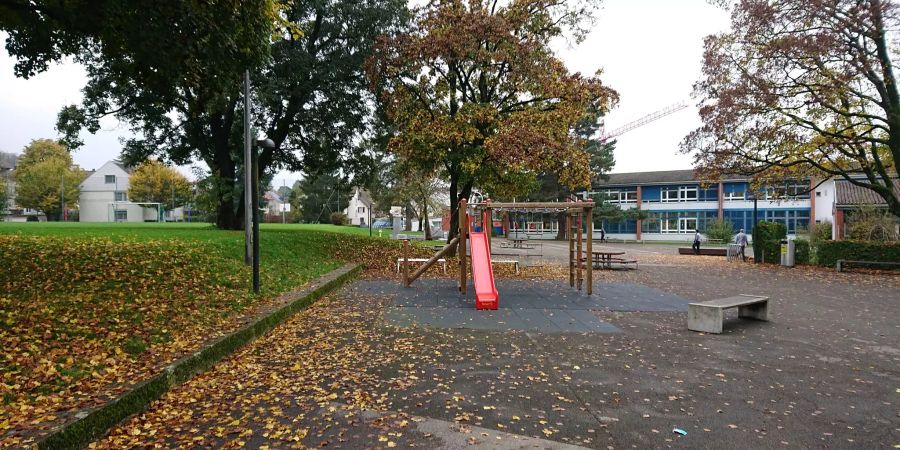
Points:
x=801, y=251
x=819, y=232
x=868, y=223
x=720, y=229
x=339, y=218
x=767, y=237
x=827, y=253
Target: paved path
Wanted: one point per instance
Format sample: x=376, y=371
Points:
x=823, y=373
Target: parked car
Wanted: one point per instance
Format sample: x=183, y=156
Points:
x=382, y=223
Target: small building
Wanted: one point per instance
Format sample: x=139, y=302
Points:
x=849, y=197
x=359, y=208
x=104, y=198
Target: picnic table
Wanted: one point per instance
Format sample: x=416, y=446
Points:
x=603, y=259
x=517, y=242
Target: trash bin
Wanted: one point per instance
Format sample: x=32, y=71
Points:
x=787, y=253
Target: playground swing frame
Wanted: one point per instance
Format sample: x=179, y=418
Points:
x=578, y=214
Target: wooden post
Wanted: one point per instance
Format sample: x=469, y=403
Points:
x=463, y=219
x=570, y=235
x=578, y=252
x=590, y=250
x=406, y=263
x=487, y=225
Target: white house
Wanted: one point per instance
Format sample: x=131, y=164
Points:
x=359, y=208
x=104, y=198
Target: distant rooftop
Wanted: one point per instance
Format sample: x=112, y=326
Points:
x=849, y=194
x=655, y=177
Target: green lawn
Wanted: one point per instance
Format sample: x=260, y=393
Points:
x=87, y=306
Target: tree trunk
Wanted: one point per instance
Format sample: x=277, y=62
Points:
x=409, y=216
x=426, y=221
x=561, y=226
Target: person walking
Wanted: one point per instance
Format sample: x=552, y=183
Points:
x=602, y=235
x=741, y=239
x=696, y=245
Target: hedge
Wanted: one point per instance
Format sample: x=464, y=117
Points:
x=801, y=251
x=828, y=252
x=767, y=237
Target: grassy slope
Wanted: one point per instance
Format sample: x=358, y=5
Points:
x=87, y=306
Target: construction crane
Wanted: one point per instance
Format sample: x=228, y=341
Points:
x=671, y=109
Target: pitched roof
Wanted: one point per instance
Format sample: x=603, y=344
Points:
x=365, y=197
x=849, y=194
x=656, y=177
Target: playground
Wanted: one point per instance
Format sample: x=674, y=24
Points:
x=381, y=365
x=406, y=362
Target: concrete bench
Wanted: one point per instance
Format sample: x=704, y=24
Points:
x=843, y=263
x=709, y=316
x=400, y=261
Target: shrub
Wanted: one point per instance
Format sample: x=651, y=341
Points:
x=819, y=232
x=801, y=251
x=767, y=237
x=339, y=218
x=720, y=229
x=868, y=223
x=827, y=253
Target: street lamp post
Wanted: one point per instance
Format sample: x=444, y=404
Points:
x=756, y=255
x=261, y=143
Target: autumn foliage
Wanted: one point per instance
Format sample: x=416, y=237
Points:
x=84, y=317
x=475, y=92
x=803, y=88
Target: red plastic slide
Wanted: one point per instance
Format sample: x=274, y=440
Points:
x=482, y=273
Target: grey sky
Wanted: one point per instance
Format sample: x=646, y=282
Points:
x=650, y=52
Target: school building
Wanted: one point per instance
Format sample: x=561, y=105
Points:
x=677, y=203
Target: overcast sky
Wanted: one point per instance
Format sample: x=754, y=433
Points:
x=650, y=51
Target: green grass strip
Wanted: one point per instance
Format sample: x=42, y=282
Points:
x=90, y=425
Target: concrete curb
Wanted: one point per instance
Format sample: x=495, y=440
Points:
x=92, y=424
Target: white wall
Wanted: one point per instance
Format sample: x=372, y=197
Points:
x=353, y=210
x=825, y=204
x=96, y=194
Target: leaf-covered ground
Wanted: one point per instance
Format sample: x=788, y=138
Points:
x=88, y=310
x=822, y=373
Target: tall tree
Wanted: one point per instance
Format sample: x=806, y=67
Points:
x=46, y=178
x=475, y=90
x=156, y=182
x=803, y=88
x=161, y=48
x=310, y=99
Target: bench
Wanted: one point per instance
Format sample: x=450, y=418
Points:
x=717, y=251
x=843, y=263
x=507, y=261
x=709, y=316
x=624, y=262
x=400, y=261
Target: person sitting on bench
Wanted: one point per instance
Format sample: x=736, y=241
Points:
x=696, y=244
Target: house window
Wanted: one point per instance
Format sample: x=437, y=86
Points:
x=668, y=225
x=110, y=179
x=361, y=209
x=121, y=215
x=734, y=195
x=121, y=196
x=818, y=194
x=629, y=197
